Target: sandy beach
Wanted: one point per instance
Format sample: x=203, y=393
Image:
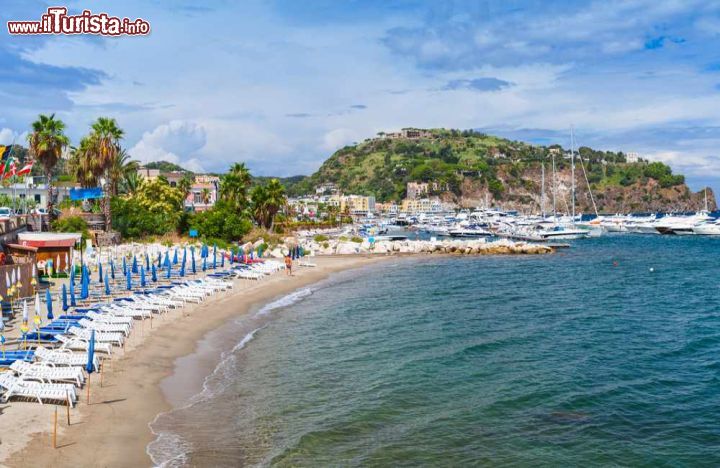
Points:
x=113, y=429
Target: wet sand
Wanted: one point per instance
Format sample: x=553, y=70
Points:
x=113, y=429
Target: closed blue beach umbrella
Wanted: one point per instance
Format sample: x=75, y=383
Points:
x=175, y=257
x=72, y=295
x=192, y=259
x=153, y=273
x=128, y=280
x=107, y=286
x=159, y=260
x=214, y=258
x=142, y=276
x=168, y=269
x=48, y=304
x=222, y=260
x=167, y=259
x=72, y=275
x=134, y=264
x=124, y=266
x=147, y=261
x=84, y=288
x=184, y=260
x=204, y=265
x=112, y=269
x=64, y=299
x=90, y=366
x=100, y=275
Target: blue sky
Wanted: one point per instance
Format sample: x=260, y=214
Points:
x=281, y=84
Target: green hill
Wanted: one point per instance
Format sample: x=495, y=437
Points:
x=467, y=167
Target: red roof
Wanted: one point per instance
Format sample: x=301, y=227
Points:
x=49, y=243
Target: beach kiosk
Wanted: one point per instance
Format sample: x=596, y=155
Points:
x=51, y=246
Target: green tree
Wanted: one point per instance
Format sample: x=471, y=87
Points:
x=106, y=136
x=120, y=167
x=234, y=186
x=267, y=201
x=47, y=142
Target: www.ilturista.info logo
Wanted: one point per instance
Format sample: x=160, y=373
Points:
x=57, y=21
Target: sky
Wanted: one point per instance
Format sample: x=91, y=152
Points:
x=281, y=84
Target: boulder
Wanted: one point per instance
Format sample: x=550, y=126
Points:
x=346, y=248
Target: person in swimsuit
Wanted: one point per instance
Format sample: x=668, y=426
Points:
x=288, y=264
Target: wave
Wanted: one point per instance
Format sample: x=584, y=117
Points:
x=169, y=449
x=285, y=301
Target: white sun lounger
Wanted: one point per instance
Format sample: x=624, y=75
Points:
x=47, y=372
x=105, y=327
x=64, y=357
x=18, y=387
x=79, y=344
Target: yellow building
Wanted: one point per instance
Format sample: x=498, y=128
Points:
x=357, y=204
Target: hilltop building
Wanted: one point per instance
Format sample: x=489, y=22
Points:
x=632, y=157
x=408, y=134
x=417, y=190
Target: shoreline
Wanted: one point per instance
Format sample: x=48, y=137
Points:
x=114, y=430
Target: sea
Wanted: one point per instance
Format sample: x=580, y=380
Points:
x=603, y=354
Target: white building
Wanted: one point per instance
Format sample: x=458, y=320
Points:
x=632, y=157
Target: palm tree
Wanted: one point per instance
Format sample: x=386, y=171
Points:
x=259, y=198
x=83, y=165
x=276, y=200
x=235, y=184
x=185, y=184
x=205, y=196
x=107, y=136
x=47, y=142
x=267, y=201
x=131, y=182
x=121, y=166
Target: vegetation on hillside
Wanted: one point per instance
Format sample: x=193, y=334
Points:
x=383, y=167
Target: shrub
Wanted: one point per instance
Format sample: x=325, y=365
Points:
x=72, y=224
x=320, y=238
x=356, y=239
x=221, y=222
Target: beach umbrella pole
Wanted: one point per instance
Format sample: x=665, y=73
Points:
x=55, y=429
x=67, y=406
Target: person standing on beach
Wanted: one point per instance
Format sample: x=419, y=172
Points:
x=288, y=264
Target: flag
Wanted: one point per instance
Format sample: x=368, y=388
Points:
x=26, y=169
x=4, y=151
x=9, y=169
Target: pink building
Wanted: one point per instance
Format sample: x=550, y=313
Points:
x=203, y=193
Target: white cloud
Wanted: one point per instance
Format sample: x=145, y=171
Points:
x=338, y=138
x=175, y=142
x=8, y=137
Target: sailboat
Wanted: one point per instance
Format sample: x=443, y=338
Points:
x=557, y=230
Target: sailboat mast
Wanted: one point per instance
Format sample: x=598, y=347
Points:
x=542, y=194
x=572, y=170
x=706, y=205
x=554, y=187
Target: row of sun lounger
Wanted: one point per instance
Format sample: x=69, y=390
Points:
x=47, y=374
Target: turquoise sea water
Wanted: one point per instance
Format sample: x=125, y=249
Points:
x=582, y=358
